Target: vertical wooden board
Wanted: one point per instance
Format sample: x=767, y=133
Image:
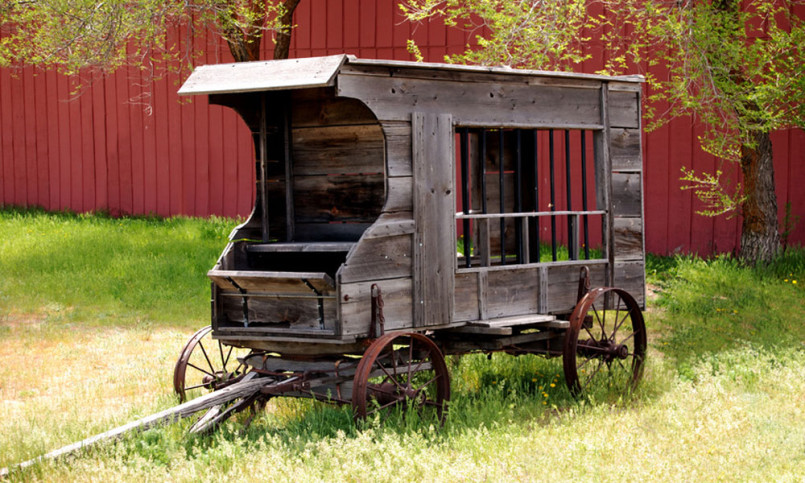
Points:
x=626, y=194
x=31, y=186
x=356, y=305
x=88, y=153
x=434, y=205
x=378, y=258
x=656, y=186
x=702, y=227
x=512, y=292
x=99, y=124
x=300, y=38
x=563, y=285
x=150, y=134
x=161, y=188
x=202, y=159
x=136, y=112
x=398, y=148
x=630, y=276
x=247, y=174
x=350, y=19
x=466, y=305
x=217, y=159
x=42, y=152
x=111, y=149
x=124, y=142
x=51, y=107
x=17, y=108
x=76, y=151
x=335, y=25
x=175, y=132
x=367, y=23
x=624, y=109
x=399, y=194
x=796, y=177
x=384, y=24
x=6, y=138
x=318, y=19
x=628, y=240
x=678, y=208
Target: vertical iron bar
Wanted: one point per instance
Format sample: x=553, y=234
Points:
x=570, y=250
x=518, y=195
x=553, y=194
x=584, y=193
x=501, y=172
x=483, y=170
x=536, y=197
x=465, y=193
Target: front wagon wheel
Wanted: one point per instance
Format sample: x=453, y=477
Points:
x=206, y=365
x=401, y=370
x=605, y=345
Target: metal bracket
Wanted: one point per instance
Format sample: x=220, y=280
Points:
x=244, y=302
x=378, y=319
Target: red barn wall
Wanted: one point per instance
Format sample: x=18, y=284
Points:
x=129, y=145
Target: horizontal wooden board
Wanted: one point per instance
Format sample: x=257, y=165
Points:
x=563, y=285
x=273, y=282
x=391, y=224
x=493, y=104
x=309, y=247
x=338, y=150
x=624, y=148
x=398, y=147
x=628, y=242
x=322, y=199
x=624, y=110
x=356, y=305
x=626, y=199
x=378, y=259
x=512, y=292
x=266, y=313
x=263, y=76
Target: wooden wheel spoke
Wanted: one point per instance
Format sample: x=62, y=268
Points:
x=189, y=388
x=434, y=378
x=384, y=406
x=389, y=376
x=627, y=338
x=203, y=351
x=200, y=369
x=618, y=325
x=600, y=321
x=592, y=376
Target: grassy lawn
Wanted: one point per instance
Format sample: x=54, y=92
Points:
x=94, y=310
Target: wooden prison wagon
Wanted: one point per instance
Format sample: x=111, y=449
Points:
x=408, y=210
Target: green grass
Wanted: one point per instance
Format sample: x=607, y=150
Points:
x=108, y=271
x=94, y=310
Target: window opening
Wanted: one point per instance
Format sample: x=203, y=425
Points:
x=517, y=205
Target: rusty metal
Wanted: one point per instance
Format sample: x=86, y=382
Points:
x=384, y=378
x=612, y=343
x=216, y=374
x=378, y=327
x=584, y=283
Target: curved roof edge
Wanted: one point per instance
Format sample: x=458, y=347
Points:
x=321, y=72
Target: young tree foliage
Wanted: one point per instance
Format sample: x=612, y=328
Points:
x=103, y=35
x=738, y=67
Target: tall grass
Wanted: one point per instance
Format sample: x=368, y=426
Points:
x=95, y=310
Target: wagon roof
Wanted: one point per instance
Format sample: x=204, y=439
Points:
x=321, y=72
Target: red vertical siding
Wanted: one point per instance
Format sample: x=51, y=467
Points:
x=107, y=151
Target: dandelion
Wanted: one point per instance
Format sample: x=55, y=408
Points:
x=544, y=403
x=785, y=280
x=533, y=379
x=494, y=382
x=794, y=282
x=553, y=385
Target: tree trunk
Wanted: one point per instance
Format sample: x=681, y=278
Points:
x=760, y=238
x=283, y=41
